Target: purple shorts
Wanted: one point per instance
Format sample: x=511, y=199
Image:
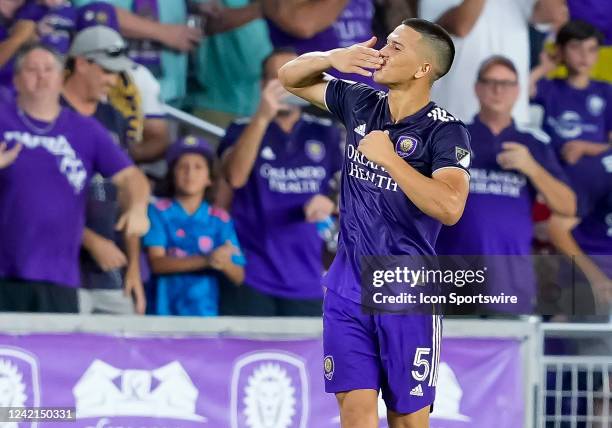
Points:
x=398, y=354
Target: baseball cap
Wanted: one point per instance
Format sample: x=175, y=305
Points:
x=102, y=45
x=190, y=144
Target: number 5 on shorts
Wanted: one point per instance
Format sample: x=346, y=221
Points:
x=420, y=362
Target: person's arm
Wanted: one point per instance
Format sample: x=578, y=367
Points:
x=220, y=19
x=134, y=192
x=547, y=64
x=155, y=141
x=442, y=197
x=162, y=264
x=460, y=20
x=301, y=18
x=20, y=34
x=239, y=160
x=221, y=260
x=133, y=283
x=104, y=251
x=574, y=150
x=560, y=232
x=558, y=196
x=173, y=36
x=304, y=76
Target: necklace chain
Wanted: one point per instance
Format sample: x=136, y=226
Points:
x=39, y=130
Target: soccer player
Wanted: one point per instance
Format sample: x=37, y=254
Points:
x=404, y=173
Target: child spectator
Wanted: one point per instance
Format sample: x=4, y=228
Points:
x=577, y=110
x=191, y=243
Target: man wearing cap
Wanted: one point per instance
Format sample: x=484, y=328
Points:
x=510, y=166
x=109, y=263
x=43, y=191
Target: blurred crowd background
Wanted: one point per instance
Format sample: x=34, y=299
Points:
x=109, y=205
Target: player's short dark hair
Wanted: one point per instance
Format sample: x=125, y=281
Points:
x=282, y=50
x=578, y=30
x=496, y=60
x=439, y=40
x=29, y=47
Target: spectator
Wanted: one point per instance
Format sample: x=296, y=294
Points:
x=599, y=14
x=43, y=191
x=588, y=238
x=159, y=39
x=280, y=162
x=12, y=37
x=577, y=110
x=95, y=59
x=227, y=65
x=191, y=243
x=320, y=26
x=482, y=28
x=510, y=166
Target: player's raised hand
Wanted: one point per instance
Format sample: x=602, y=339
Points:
x=7, y=157
x=271, y=97
x=358, y=59
x=377, y=147
x=517, y=157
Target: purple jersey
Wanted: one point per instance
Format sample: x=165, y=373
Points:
x=354, y=25
x=592, y=179
x=54, y=26
x=43, y=194
x=283, y=251
x=376, y=217
x=497, y=216
x=575, y=114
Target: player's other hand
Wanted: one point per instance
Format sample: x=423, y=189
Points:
x=318, y=208
x=517, y=157
x=221, y=258
x=271, y=97
x=377, y=147
x=358, y=59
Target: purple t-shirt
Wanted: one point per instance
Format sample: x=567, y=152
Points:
x=283, y=251
x=354, y=25
x=497, y=218
x=575, y=114
x=54, y=26
x=596, y=12
x=43, y=194
x=376, y=217
x=591, y=177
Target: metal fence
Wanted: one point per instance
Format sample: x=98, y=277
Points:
x=576, y=388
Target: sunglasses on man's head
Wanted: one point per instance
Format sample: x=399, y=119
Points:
x=112, y=52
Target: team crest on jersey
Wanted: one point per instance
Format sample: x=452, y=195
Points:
x=315, y=150
x=406, y=146
x=595, y=104
x=328, y=367
x=463, y=157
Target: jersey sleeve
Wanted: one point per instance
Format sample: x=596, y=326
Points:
x=228, y=233
x=542, y=90
x=451, y=148
x=109, y=158
x=343, y=97
x=156, y=236
x=229, y=139
x=544, y=154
